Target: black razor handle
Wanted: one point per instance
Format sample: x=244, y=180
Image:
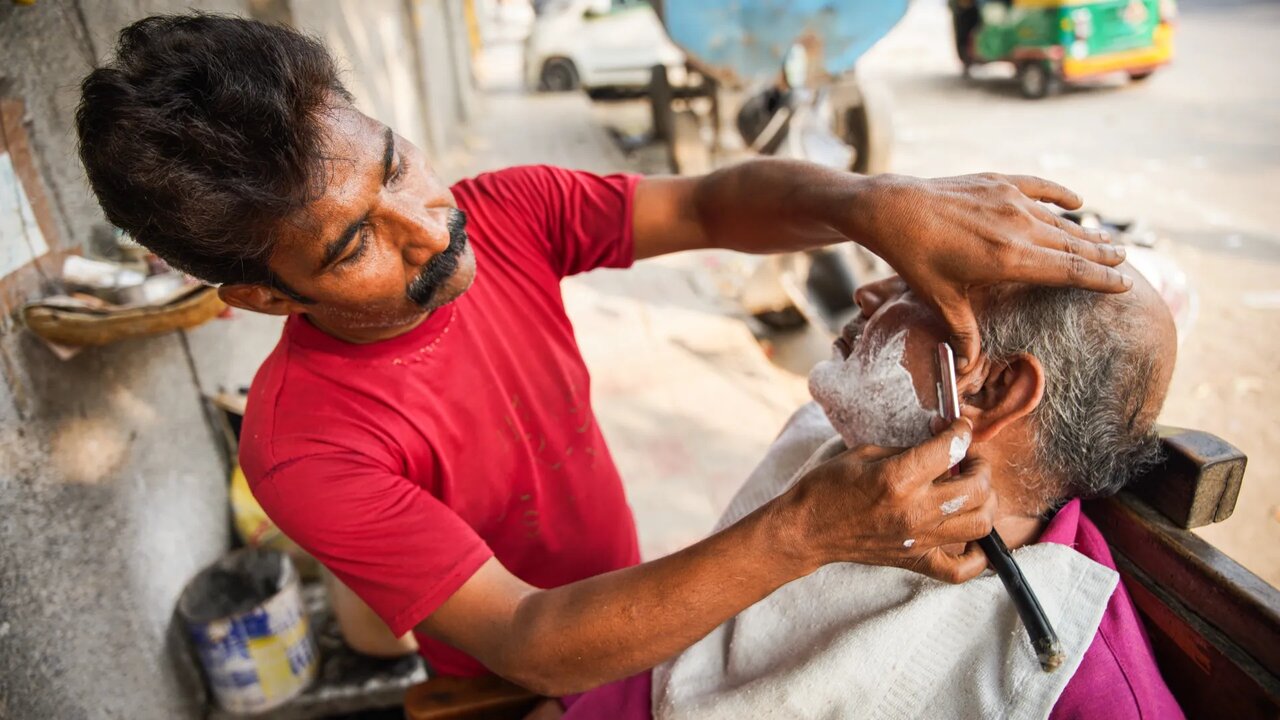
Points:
x=1043, y=639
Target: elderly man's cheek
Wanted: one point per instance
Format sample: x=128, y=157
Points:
x=926, y=384
x=921, y=362
x=870, y=398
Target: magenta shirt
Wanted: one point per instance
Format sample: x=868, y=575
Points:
x=1117, y=679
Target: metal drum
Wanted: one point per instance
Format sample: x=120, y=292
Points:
x=248, y=624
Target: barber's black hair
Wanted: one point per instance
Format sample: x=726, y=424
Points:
x=203, y=134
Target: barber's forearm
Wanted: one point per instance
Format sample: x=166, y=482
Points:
x=856, y=507
x=582, y=635
x=768, y=206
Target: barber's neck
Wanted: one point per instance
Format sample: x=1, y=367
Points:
x=361, y=334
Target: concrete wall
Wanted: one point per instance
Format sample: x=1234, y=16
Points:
x=111, y=485
x=112, y=482
x=401, y=61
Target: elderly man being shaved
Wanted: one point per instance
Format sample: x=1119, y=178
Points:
x=1062, y=407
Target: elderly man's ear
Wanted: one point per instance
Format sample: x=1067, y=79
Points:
x=1010, y=391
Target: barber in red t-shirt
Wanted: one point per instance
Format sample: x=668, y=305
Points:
x=424, y=426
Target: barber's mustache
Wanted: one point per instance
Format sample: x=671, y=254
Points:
x=440, y=268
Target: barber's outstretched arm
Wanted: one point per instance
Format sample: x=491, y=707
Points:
x=864, y=506
x=944, y=236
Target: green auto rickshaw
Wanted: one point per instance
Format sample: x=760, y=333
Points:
x=1055, y=41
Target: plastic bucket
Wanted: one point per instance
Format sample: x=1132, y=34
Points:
x=249, y=627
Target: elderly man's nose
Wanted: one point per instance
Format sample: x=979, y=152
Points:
x=874, y=294
x=866, y=301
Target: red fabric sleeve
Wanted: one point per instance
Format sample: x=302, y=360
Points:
x=584, y=219
x=393, y=543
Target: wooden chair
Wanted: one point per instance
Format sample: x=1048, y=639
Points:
x=1215, y=626
x=445, y=698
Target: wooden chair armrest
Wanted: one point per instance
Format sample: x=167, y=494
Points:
x=1198, y=482
x=450, y=698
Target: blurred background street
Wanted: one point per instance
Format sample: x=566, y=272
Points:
x=1194, y=152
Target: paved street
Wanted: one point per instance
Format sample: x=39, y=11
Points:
x=1195, y=150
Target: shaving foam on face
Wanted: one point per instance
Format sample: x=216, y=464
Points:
x=870, y=398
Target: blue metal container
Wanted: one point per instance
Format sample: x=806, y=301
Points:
x=748, y=39
x=249, y=627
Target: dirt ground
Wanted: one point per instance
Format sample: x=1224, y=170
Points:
x=1195, y=151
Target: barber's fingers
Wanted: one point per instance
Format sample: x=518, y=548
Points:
x=974, y=522
x=1059, y=268
x=964, y=492
x=1059, y=231
x=1046, y=191
x=916, y=468
x=1093, y=252
x=965, y=339
x=872, y=453
x=941, y=565
x=953, y=305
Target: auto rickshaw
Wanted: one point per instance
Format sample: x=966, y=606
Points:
x=1055, y=41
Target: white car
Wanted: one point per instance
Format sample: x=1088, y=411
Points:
x=595, y=44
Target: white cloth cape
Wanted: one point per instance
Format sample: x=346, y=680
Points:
x=854, y=641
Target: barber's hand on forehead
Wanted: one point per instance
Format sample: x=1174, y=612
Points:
x=954, y=234
x=881, y=506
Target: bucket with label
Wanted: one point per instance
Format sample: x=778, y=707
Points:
x=248, y=625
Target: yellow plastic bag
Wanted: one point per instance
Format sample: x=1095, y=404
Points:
x=255, y=529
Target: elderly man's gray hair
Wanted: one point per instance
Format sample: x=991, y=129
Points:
x=1094, y=433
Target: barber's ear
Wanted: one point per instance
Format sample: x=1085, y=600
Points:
x=1010, y=391
x=259, y=298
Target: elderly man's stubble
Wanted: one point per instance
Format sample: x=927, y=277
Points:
x=870, y=397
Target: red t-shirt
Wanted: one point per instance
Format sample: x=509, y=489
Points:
x=404, y=465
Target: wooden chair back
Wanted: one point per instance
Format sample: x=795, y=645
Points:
x=1214, y=626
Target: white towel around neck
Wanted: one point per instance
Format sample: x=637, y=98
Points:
x=854, y=641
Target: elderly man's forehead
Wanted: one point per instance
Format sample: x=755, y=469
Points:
x=348, y=133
